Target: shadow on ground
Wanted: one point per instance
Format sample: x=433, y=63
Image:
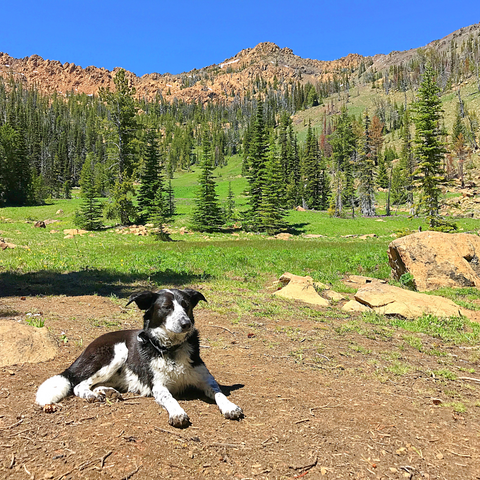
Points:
x=90, y=282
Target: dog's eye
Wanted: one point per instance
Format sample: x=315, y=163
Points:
x=167, y=306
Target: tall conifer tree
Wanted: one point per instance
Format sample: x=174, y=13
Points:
x=271, y=211
x=257, y=157
x=429, y=148
x=151, y=179
x=207, y=215
x=89, y=216
x=365, y=170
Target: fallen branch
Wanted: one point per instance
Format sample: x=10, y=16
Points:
x=231, y=445
x=470, y=379
x=131, y=474
x=302, y=421
x=12, y=426
x=458, y=454
x=223, y=328
x=171, y=433
x=102, y=463
x=306, y=468
x=323, y=406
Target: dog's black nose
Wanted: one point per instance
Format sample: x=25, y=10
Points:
x=186, y=324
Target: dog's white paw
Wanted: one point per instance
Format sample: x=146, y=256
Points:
x=234, y=413
x=107, y=392
x=179, y=420
x=91, y=397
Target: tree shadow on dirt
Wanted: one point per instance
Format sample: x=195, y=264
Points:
x=91, y=282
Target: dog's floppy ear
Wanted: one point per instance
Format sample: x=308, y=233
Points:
x=195, y=296
x=144, y=300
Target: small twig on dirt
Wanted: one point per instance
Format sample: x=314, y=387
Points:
x=470, y=379
x=65, y=474
x=317, y=408
x=223, y=328
x=171, y=433
x=323, y=406
x=131, y=474
x=324, y=356
x=83, y=466
x=102, y=463
x=302, y=421
x=120, y=434
x=231, y=445
x=306, y=467
x=6, y=446
x=458, y=454
x=128, y=402
x=20, y=432
x=301, y=475
x=12, y=462
x=12, y=426
x=385, y=426
x=25, y=468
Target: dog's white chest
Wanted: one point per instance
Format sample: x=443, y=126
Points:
x=175, y=373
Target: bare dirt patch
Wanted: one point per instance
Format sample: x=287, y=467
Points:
x=329, y=399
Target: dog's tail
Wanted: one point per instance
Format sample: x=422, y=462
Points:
x=54, y=389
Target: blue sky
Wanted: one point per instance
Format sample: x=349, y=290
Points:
x=146, y=36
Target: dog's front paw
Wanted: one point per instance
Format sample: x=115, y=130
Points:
x=94, y=397
x=234, y=414
x=180, y=420
x=107, y=392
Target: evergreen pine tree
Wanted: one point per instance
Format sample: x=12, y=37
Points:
x=382, y=172
x=15, y=178
x=257, y=155
x=151, y=179
x=366, y=171
x=122, y=111
x=89, y=216
x=207, y=216
x=158, y=216
x=404, y=175
x=229, y=211
x=271, y=211
x=429, y=148
x=170, y=200
x=343, y=143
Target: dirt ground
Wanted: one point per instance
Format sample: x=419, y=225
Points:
x=320, y=401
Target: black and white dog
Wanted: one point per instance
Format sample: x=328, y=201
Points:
x=161, y=360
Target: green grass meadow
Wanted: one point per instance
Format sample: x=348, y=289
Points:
x=229, y=264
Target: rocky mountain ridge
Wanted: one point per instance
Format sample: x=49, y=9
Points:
x=234, y=77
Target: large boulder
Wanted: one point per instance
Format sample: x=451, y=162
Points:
x=389, y=300
x=437, y=259
x=24, y=344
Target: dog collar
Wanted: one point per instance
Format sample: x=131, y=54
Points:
x=145, y=337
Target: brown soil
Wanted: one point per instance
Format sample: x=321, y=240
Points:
x=319, y=402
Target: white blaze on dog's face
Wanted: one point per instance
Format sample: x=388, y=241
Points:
x=172, y=314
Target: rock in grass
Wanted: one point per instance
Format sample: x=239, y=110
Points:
x=300, y=288
x=389, y=300
x=437, y=259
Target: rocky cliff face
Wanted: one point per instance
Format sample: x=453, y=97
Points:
x=233, y=77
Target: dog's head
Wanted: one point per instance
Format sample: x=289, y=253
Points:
x=170, y=310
